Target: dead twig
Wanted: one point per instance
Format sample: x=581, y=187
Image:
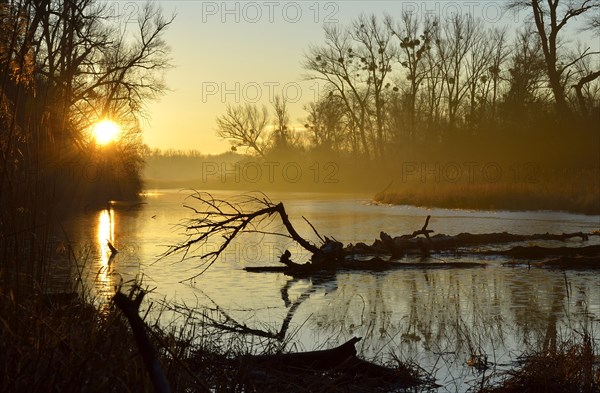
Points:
x=228, y=219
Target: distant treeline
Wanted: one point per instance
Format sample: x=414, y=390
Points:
x=303, y=171
x=408, y=87
x=171, y=168
x=446, y=111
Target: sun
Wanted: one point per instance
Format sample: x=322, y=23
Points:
x=106, y=131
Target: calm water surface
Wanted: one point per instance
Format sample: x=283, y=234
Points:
x=437, y=318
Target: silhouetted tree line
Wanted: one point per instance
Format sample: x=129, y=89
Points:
x=390, y=85
x=64, y=65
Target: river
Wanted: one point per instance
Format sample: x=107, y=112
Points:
x=436, y=318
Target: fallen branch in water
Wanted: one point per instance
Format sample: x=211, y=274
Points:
x=330, y=370
x=320, y=360
x=252, y=213
x=219, y=218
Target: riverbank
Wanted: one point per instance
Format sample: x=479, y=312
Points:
x=581, y=196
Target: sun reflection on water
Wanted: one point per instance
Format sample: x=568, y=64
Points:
x=106, y=233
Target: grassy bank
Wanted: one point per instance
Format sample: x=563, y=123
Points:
x=580, y=194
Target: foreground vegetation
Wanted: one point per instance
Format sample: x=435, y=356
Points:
x=571, y=368
x=61, y=343
x=52, y=344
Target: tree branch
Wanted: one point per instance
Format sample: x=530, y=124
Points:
x=226, y=220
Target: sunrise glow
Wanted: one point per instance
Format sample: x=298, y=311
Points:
x=106, y=131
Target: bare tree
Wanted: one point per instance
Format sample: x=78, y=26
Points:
x=75, y=65
x=411, y=56
x=454, y=42
x=500, y=53
x=587, y=93
x=125, y=79
x=526, y=74
x=281, y=131
x=244, y=126
x=376, y=54
x=550, y=19
x=326, y=121
x=92, y=69
x=433, y=78
x=338, y=64
x=593, y=22
x=478, y=63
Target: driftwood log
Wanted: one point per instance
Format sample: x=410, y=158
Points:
x=572, y=262
x=319, y=360
x=538, y=252
x=442, y=242
x=375, y=264
x=341, y=364
x=385, y=254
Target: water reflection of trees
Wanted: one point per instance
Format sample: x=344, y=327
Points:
x=216, y=316
x=443, y=312
x=440, y=319
x=466, y=312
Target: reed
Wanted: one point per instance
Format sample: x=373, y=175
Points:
x=580, y=194
x=570, y=368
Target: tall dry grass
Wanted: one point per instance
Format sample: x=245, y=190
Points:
x=579, y=193
x=573, y=367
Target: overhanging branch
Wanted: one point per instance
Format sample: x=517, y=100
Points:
x=221, y=219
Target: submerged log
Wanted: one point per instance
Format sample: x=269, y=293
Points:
x=537, y=252
x=436, y=265
x=565, y=262
x=285, y=259
x=375, y=264
x=423, y=231
x=321, y=360
x=306, y=270
x=573, y=262
x=340, y=364
x=465, y=239
x=443, y=242
x=330, y=253
x=393, y=247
